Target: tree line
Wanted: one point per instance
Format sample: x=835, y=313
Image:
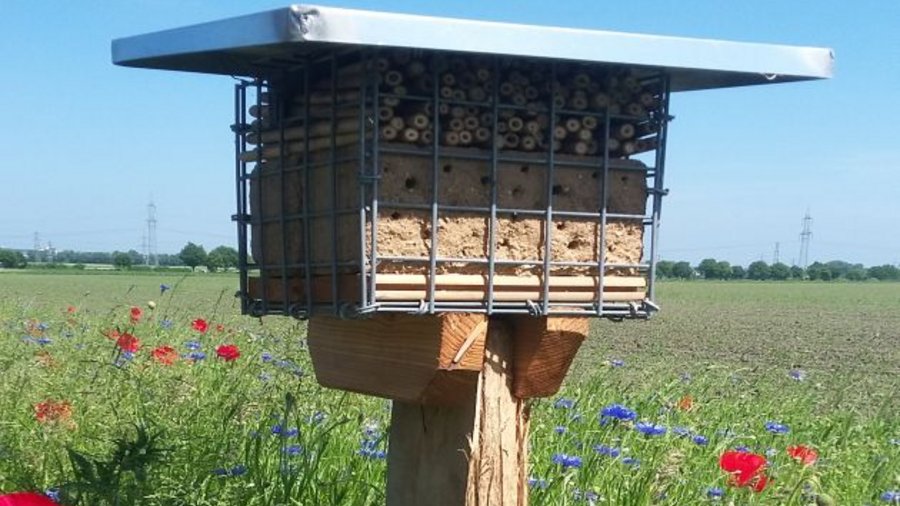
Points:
x=710, y=268
x=192, y=255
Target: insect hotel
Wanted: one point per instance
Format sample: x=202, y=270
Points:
x=448, y=202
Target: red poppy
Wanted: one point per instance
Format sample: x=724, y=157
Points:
x=71, y=309
x=686, y=403
x=165, y=355
x=746, y=469
x=136, y=314
x=803, y=454
x=52, y=411
x=128, y=342
x=228, y=352
x=200, y=325
x=25, y=499
x=220, y=327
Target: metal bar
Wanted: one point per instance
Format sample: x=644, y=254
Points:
x=307, y=235
x=281, y=112
x=548, y=224
x=492, y=240
x=664, y=95
x=376, y=168
x=526, y=212
x=604, y=197
x=364, y=182
x=240, y=168
x=531, y=263
x=435, y=161
x=332, y=157
x=615, y=163
x=263, y=274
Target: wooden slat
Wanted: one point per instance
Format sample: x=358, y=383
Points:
x=504, y=296
x=481, y=281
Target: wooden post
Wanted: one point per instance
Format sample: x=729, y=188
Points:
x=472, y=454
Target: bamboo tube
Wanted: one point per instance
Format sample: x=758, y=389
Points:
x=628, y=148
x=515, y=124
x=465, y=138
x=584, y=134
x=397, y=122
x=578, y=103
x=419, y=121
x=400, y=90
x=533, y=128
x=388, y=133
x=581, y=80
x=300, y=132
x=511, y=140
x=502, y=127
x=393, y=78
x=482, y=134
x=411, y=135
x=528, y=143
x=477, y=94
x=415, y=69
x=458, y=111
x=507, y=296
x=635, y=109
x=531, y=93
x=471, y=122
x=573, y=125
x=298, y=148
x=446, y=92
x=457, y=124
x=385, y=113
x=426, y=137
x=600, y=100
x=647, y=99
x=612, y=144
x=443, y=108
x=420, y=281
x=472, y=110
x=448, y=79
x=390, y=101
x=560, y=132
x=506, y=89
x=624, y=131
x=483, y=74
x=459, y=95
x=578, y=147
x=451, y=138
x=519, y=99
x=589, y=122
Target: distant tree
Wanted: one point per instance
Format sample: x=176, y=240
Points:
x=664, y=268
x=857, y=273
x=738, y=272
x=136, y=257
x=709, y=268
x=884, y=273
x=682, y=270
x=192, y=255
x=723, y=270
x=223, y=257
x=10, y=259
x=797, y=272
x=758, y=270
x=121, y=260
x=779, y=271
x=839, y=268
x=820, y=271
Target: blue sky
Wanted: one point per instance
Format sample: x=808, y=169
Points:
x=86, y=144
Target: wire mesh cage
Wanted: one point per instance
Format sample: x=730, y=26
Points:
x=396, y=180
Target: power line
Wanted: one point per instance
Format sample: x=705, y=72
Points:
x=805, y=236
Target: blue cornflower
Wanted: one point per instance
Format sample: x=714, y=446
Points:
x=292, y=450
x=631, y=462
x=371, y=430
x=195, y=356
x=892, y=496
x=44, y=341
x=220, y=471
x=163, y=288
x=797, y=374
x=193, y=345
x=608, y=451
x=700, y=440
x=777, y=428
x=560, y=429
x=291, y=432
x=166, y=323
x=563, y=403
x=317, y=418
x=266, y=356
x=617, y=411
x=566, y=461
x=52, y=493
x=124, y=358
x=588, y=496
x=681, y=431
x=276, y=429
x=714, y=493
x=238, y=470
x=539, y=483
x=742, y=449
x=617, y=362
x=650, y=429
x=771, y=452
x=265, y=377
x=43, y=326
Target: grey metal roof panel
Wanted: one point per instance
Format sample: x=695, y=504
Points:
x=250, y=45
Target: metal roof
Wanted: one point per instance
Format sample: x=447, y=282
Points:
x=254, y=44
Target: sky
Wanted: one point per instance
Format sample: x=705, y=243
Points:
x=86, y=145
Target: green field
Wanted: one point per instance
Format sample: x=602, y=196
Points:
x=258, y=430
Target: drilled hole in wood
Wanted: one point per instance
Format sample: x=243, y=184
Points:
x=448, y=168
x=516, y=191
x=624, y=179
x=485, y=180
x=524, y=169
x=596, y=174
x=395, y=215
x=410, y=183
x=559, y=189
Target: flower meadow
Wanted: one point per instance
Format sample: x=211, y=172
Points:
x=151, y=390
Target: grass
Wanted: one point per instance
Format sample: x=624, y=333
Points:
x=259, y=431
